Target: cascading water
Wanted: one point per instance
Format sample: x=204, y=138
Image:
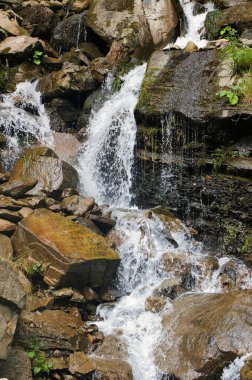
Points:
x=105, y=165
x=194, y=25
x=106, y=161
x=23, y=121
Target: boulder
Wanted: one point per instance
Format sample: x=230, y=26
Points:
x=203, y=333
x=8, y=23
x=63, y=114
x=69, y=33
x=79, y=363
x=239, y=15
x=77, y=205
x=17, y=365
x=7, y=227
x=12, y=299
x=71, y=254
x=43, y=165
x=19, y=48
x=6, y=249
x=17, y=188
x=72, y=79
x=39, y=20
x=111, y=369
x=66, y=146
x=246, y=370
x=11, y=216
x=56, y=330
x=137, y=26
x=171, y=79
x=10, y=203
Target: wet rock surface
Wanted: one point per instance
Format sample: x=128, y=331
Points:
x=216, y=326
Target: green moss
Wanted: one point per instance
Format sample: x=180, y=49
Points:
x=144, y=100
x=213, y=24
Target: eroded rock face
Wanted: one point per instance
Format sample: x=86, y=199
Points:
x=72, y=79
x=43, y=165
x=72, y=255
x=203, y=333
x=56, y=330
x=138, y=26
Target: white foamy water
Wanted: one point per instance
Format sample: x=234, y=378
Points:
x=194, y=25
x=105, y=165
x=23, y=120
x=106, y=161
x=232, y=372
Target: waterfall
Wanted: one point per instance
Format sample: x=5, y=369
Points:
x=232, y=372
x=106, y=159
x=23, y=121
x=194, y=25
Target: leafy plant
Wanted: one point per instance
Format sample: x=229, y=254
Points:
x=240, y=57
x=37, y=55
x=229, y=33
x=232, y=94
x=221, y=155
x=40, y=367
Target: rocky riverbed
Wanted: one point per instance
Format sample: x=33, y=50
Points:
x=98, y=291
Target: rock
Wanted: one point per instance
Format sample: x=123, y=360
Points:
x=74, y=255
x=77, y=205
x=191, y=47
x=39, y=302
x=55, y=329
x=246, y=370
x=71, y=80
x=75, y=312
x=110, y=369
x=104, y=223
x=179, y=265
x=10, y=203
x=8, y=322
x=25, y=283
x=25, y=211
x=6, y=250
x=69, y=33
x=110, y=295
x=112, y=347
x=170, y=288
x=90, y=294
x=58, y=363
x=239, y=15
x=17, y=188
x=19, y=48
x=184, y=74
x=66, y=146
x=6, y=226
x=35, y=202
x=63, y=293
x=43, y=165
x=63, y=115
x=11, y=216
x=79, y=363
x=77, y=297
x=155, y=303
x=8, y=22
x=135, y=26
x=173, y=223
x=79, y=5
x=205, y=332
x=17, y=365
x=10, y=288
x=68, y=193
x=40, y=21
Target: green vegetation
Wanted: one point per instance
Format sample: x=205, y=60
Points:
x=40, y=367
x=123, y=69
x=37, y=55
x=240, y=58
x=222, y=155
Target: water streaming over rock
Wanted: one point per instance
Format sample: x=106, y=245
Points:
x=194, y=25
x=105, y=165
x=23, y=121
x=106, y=161
x=232, y=372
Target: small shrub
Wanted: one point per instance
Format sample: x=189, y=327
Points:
x=229, y=33
x=40, y=367
x=37, y=55
x=231, y=93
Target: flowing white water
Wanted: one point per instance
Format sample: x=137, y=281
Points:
x=23, y=120
x=194, y=25
x=232, y=372
x=105, y=165
x=106, y=161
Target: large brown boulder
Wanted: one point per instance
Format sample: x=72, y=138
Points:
x=111, y=369
x=72, y=255
x=55, y=329
x=203, y=333
x=19, y=48
x=72, y=79
x=43, y=165
x=17, y=365
x=12, y=298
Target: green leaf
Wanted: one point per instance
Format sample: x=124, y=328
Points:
x=222, y=93
x=31, y=354
x=36, y=370
x=234, y=100
x=38, y=53
x=37, y=61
